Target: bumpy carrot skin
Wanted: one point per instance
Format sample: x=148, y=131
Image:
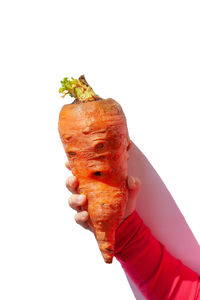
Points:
x=95, y=138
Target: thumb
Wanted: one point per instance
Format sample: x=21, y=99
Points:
x=133, y=183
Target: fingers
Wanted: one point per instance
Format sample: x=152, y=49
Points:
x=77, y=201
x=134, y=183
x=72, y=184
x=81, y=218
x=67, y=165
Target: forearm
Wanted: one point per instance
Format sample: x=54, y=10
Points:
x=150, y=266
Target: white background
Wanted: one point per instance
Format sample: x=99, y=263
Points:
x=145, y=55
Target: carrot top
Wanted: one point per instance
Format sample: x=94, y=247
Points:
x=77, y=88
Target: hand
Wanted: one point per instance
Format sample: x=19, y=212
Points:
x=76, y=201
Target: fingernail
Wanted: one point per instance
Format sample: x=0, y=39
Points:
x=84, y=215
x=81, y=198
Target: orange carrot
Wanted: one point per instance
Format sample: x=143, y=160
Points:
x=95, y=138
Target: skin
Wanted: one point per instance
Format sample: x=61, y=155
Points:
x=77, y=201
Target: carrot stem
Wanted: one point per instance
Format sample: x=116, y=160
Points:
x=77, y=88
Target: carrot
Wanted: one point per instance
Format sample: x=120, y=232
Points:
x=95, y=138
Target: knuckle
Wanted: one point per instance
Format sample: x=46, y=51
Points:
x=77, y=218
x=71, y=201
x=67, y=183
x=138, y=182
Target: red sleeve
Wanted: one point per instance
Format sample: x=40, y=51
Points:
x=156, y=273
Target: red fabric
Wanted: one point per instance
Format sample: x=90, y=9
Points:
x=157, y=274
